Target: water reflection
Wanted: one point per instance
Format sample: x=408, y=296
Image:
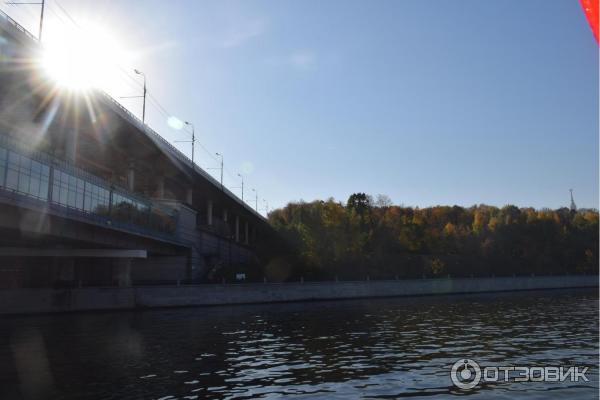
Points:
x=370, y=348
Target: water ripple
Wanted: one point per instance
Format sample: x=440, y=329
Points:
x=372, y=349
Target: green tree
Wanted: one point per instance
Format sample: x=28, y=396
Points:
x=360, y=203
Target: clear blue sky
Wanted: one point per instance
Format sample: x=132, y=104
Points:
x=430, y=102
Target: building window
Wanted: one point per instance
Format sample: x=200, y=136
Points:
x=32, y=178
x=162, y=219
x=71, y=191
x=125, y=208
x=68, y=190
x=27, y=176
x=97, y=199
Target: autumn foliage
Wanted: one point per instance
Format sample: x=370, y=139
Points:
x=366, y=239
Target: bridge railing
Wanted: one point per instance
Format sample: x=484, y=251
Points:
x=18, y=26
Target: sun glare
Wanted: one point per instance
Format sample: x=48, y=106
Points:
x=82, y=57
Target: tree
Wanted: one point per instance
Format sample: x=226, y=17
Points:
x=382, y=240
x=360, y=203
x=383, y=201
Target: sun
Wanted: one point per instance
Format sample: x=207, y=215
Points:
x=82, y=57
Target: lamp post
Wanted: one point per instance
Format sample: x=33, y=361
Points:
x=242, y=178
x=41, y=20
x=221, y=155
x=42, y=4
x=137, y=71
x=256, y=200
x=193, y=140
x=266, y=206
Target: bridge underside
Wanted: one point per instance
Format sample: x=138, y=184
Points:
x=41, y=249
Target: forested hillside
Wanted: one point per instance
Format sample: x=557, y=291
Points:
x=366, y=239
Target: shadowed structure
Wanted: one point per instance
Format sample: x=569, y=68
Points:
x=89, y=195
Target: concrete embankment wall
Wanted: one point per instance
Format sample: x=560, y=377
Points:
x=22, y=301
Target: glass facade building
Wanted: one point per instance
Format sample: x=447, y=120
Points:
x=73, y=189
x=25, y=175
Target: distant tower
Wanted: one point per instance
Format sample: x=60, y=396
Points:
x=573, y=206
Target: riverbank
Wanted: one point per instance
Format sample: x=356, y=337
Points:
x=25, y=301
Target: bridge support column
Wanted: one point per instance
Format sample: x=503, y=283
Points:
x=160, y=187
x=225, y=215
x=65, y=270
x=122, y=271
x=209, y=212
x=246, y=233
x=189, y=195
x=71, y=145
x=131, y=176
x=237, y=228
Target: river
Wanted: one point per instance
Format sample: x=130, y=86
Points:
x=376, y=349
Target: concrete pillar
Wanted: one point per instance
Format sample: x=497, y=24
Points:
x=237, y=228
x=189, y=195
x=131, y=176
x=246, y=233
x=122, y=272
x=65, y=271
x=209, y=212
x=71, y=145
x=160, y=187
x=225, y=215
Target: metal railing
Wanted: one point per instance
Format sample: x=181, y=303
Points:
x=18, y=26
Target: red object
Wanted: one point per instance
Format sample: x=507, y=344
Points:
x=590, y=7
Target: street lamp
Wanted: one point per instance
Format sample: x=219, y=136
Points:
x=221, y=155
x=242, y=178
x=256, y=200
x=266, y=206
x=41, y=20
x=193, y=140
x=137, y=71
x=42, y=4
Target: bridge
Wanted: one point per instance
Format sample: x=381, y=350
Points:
x=91, y=196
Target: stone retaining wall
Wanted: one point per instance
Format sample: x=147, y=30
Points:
x=23, y=301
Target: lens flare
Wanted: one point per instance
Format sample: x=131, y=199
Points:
x=175, y=123
x=82, y=57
